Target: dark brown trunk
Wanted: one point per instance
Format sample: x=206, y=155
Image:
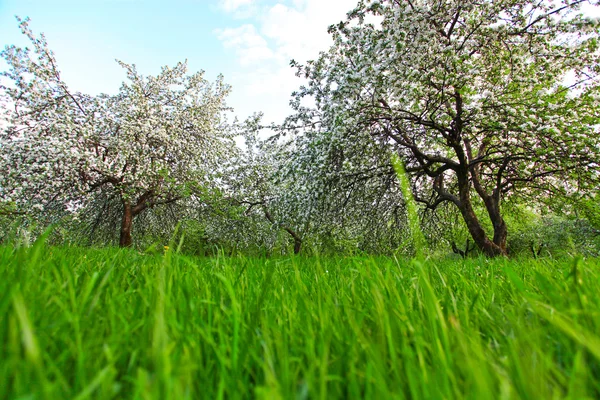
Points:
x=500, y=229
x=500, y=233
x=490, y=248
x=126, y=224
x=478, y=234
x=297, y=245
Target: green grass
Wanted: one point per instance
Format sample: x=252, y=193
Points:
x=77, y=324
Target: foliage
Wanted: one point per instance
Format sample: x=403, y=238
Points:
x=482, y=101
x=256, y=187
x=157, y=141
x=346, y=193
x=551, y=234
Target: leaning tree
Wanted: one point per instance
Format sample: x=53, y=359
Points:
x=481, y=99
x=155, y=142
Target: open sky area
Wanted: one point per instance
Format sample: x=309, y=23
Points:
x=250, y=42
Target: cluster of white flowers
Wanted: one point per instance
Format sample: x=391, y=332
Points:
x=155, y=142
x=471, y=94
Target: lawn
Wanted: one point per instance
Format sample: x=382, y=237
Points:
x=109, y=323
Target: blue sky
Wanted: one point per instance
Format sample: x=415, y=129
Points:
x=250, y=42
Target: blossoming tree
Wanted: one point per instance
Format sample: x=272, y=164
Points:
x=155, y=142
x=481, y=99
x=256, y=181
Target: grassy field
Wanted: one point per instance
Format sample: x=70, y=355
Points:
x=77, y=324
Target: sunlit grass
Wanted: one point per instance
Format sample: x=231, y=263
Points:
x=81, y=323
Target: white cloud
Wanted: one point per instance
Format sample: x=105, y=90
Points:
x=300, y=31
x=250, y=47
x=273, y=35
x=234, y=5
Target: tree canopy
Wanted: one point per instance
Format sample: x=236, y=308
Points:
x=157, y=141
x=481, y=100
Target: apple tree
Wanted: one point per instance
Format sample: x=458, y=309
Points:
x=482, y=100
x=155, y=142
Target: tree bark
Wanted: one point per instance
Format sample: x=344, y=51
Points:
x=126, y=224
x=297, y=245
x=494, y=248
x=500, y=230
x=492, y=205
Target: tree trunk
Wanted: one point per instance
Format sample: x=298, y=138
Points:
x=490, y=248
x=500, y=233
x=126, y=224
x=479, y=236
x=500, y=230
x=297, y=245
